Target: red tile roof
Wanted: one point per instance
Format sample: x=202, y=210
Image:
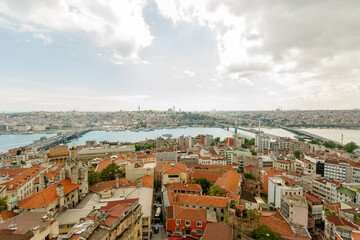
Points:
x=47, y=195
x=102, y=165
x=276, y=222
x=230, y=181
x=355, y=236
x=115, y=209
x=22, y=178
x=186, y=213
x=312, y=198
x=215, y=231
x=203, y=200
x=5, y=215
x=250, y=168
x=338, y=221
x=108, y=185
x=185, y=187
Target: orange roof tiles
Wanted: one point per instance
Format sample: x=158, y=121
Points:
x=203, y=200
x=22, y=178
x=147, y=181
x=173, y=168
x=230, y=181
x=312, y=198
x=185, y=187
x=108, y=185
x=102, y=165
x=47, y=195
x=338, y=221
x=355, y=236
x=276, y=222
x=187, y=213
x=5, y=215
x=115, y=209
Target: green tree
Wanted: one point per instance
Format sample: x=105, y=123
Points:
x=253, y=152
x=297, y=154
x=314, y=141
x=329, y=144
x=3, y=205
x=253, y=214
x=216, y=191
x=350, y=147
x=217, y=140
x=249, y=175
x=301, y=139
x=110, y=172
x=264, y=232
x=94, y=177
x=204, y=183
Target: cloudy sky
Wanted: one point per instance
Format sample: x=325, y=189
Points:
x=107, y=55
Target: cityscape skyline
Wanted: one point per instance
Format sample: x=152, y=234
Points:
x=196, y=55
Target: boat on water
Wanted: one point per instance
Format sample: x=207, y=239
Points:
x=167, y=135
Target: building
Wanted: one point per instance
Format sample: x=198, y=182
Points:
x=262, y=142
x=30, y=226
x=325, y=190
x=215, y=231
x=285, y=165
x=230, y=182
x=265, y=174
x=173, y=172
x=135, y=171
x=294, y=209
x=337, y=225
x=217, y=204
x=345, y=195
x=315, y=207
x=185, y=221
x=188, y=188
x=279, y=188
x=337, y=170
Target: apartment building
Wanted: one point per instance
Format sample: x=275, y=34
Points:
x=337, y=170
x=294, y=209
x=278, y=188
x=325, y=190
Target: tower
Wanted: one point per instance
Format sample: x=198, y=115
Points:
x=77, y=171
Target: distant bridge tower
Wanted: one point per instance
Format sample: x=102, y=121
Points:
x=342, y=139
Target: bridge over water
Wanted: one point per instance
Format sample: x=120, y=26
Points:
x=61, y=137
x=228, y=126
x=307, y=135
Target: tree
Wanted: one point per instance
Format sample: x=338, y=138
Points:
x=314, y=141
x=216, y=191
x=264, y=232
x=297, y=154
x=3, y=205
x=217, y=140
x=94, y=177
x=204, y=183
x=111, y=171
x=350, y=147
x=249, y=175
x=329, y=144
x=253, y=152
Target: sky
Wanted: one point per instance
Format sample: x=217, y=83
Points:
x=111, y=55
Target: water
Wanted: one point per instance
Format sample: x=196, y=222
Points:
x=16, y=140
x=12, y=141
x=335, y=134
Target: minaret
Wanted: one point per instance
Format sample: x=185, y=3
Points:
x=342, y=139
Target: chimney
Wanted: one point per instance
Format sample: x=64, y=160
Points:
x=60, y=190
x=42, y=179
x=117, y=182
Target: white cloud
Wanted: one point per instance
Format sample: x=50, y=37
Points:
x=271, y=42
x=200, y=86
x=246, y=81
x=190, y=73
x=116, y=26
x=46, y=39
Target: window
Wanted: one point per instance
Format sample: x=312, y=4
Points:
x=187, y=223
x=177, y=229
x=199, y=224
x=198, y=232
x=178, y=222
